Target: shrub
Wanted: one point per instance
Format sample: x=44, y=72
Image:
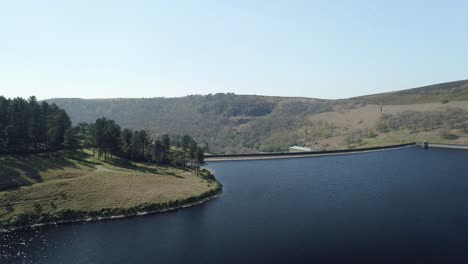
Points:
x=9, y=207
x=37, y=208
x=206, y=174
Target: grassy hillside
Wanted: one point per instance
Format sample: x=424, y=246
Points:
x=452, y=91
x=40, y=188
x=231, y=123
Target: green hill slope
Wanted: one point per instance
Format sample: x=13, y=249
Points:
x=452, y=91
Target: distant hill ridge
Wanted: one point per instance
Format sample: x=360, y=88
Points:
x=454, y=91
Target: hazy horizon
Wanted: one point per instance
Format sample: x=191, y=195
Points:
x=253, y=94
x=144, y=49
x=144, y=97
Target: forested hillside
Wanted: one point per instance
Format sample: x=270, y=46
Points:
x=230, y=123
x=225, y=122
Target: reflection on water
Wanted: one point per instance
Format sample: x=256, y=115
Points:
x=16, y=246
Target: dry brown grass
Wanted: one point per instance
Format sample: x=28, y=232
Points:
x=366, y=117
x=77, y=187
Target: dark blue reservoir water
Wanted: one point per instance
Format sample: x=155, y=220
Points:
x=407, y=205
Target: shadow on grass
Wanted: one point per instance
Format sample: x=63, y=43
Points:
x=451, y=137
x=16, y=171
x=11, y=178
x=21, y=170
x=83, y=159
x=125, y=164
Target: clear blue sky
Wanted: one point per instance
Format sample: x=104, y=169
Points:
x=324, y=49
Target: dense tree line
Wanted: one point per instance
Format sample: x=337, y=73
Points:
x=108, y=139
x=27, y=126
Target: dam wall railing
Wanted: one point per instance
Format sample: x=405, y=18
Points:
x=301, y=154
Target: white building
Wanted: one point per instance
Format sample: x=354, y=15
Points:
x=299, y=149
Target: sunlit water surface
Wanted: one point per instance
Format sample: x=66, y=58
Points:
x=405, y=205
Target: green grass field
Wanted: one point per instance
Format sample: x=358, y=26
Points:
x=451, y=91
x=37, y=188
x=457, y=136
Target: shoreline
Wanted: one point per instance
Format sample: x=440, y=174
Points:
x=120, y=216
x=305, y=155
